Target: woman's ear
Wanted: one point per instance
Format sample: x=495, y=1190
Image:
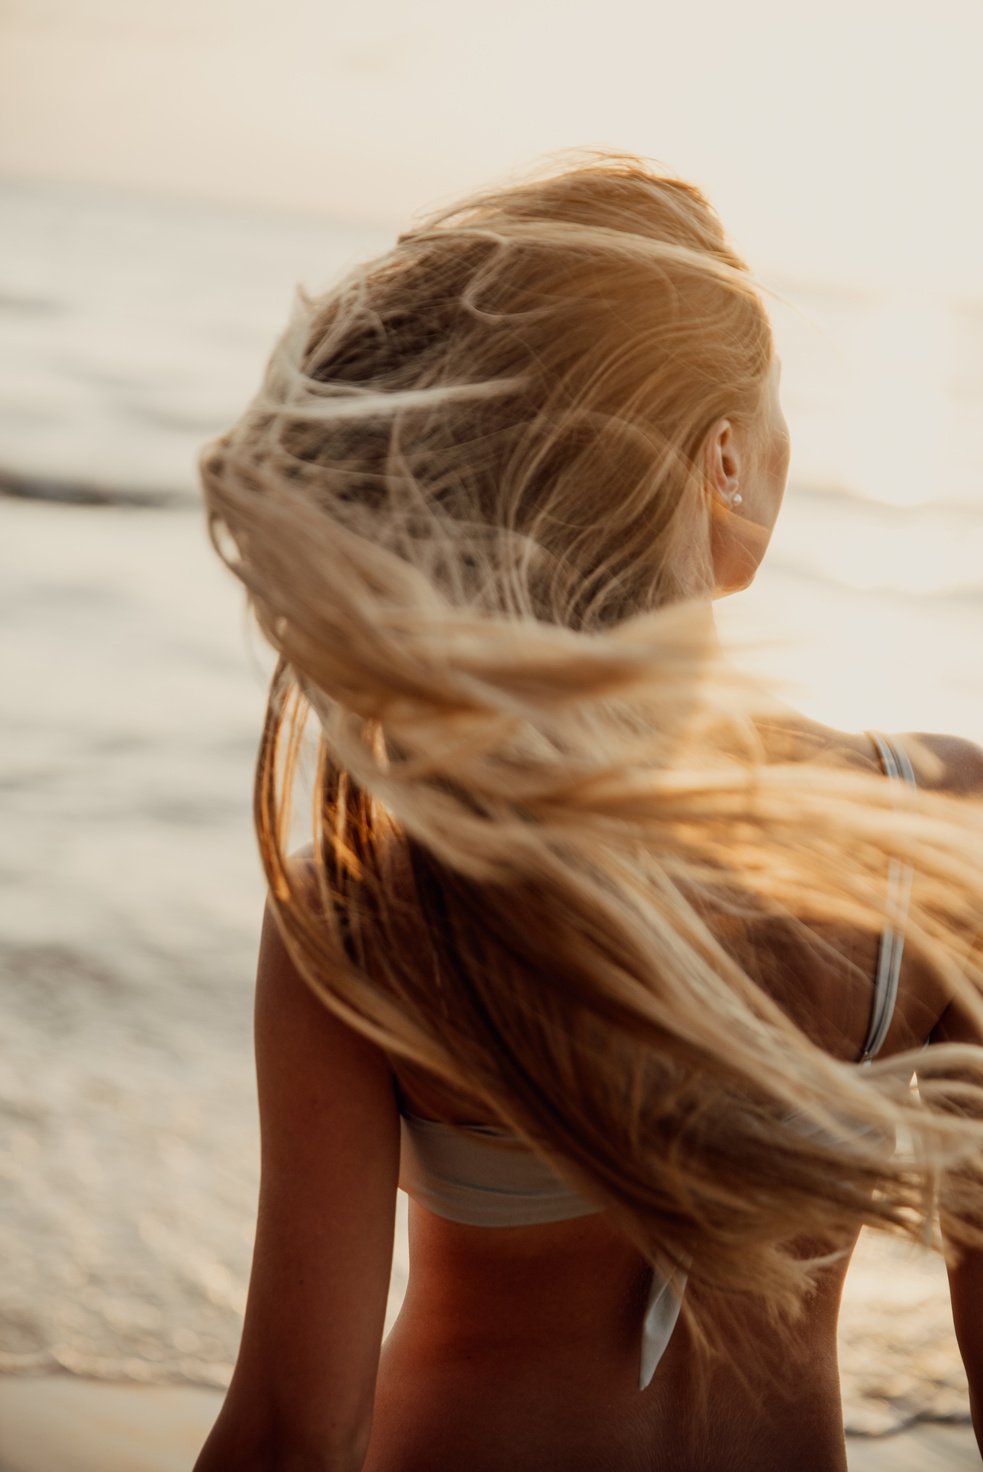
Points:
x=723, y=464
x=737, y=541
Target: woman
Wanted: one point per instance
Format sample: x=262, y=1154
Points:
x=600, y=932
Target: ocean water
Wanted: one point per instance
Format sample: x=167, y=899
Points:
x=132, y=329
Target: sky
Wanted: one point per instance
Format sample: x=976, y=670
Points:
x=839, y=142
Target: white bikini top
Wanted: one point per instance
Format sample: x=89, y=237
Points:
x=483, y=1176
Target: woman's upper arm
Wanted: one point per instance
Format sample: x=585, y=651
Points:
x=304, y=1381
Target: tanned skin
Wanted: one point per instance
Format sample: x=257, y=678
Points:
x=525, y=1338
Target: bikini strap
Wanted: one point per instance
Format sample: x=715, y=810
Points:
x=896, y=764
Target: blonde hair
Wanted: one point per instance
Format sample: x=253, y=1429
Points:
x=468, y=507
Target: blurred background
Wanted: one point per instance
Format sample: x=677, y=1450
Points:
x=168, y=174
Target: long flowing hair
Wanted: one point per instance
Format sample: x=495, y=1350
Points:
x=468, y=508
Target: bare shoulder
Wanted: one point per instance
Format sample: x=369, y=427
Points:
x=942, y=763
x=945, y=763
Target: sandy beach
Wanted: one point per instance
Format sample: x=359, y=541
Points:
x=58, y=1423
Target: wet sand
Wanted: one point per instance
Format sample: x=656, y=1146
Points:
x=59, y=1423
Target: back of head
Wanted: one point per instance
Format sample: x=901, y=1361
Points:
x=513, y=398
x=468, y=505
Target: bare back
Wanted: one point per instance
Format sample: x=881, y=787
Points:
x=519, y=1346
x=528, y=1336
